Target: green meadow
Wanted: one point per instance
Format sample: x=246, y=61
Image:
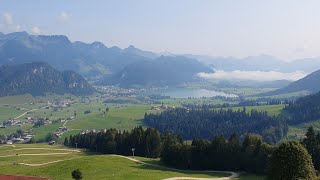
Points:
x=272, y=110
x=57, y=162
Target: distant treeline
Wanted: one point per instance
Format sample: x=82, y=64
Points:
x=258, y=102
x=158, y=96
x=138, y=100
x=206, y=123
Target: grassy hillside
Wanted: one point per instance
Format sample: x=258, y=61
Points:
x=61, y=161
x=121, y=117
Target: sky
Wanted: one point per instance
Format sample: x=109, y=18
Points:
x=287, y=29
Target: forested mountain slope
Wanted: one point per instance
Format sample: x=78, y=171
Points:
x=305, y=109
x=161, y=71
x=39, y=78
x=309, y=83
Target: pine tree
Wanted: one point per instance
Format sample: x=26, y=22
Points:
x=310, y=141
x=66, y=142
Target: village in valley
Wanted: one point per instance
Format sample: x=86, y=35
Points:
x=32, y=119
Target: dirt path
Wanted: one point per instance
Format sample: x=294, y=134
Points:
x=42, y=164
x=69, y=151
x=25, y=113
x=233, y=174
x=40, y=154
x=47, y=149
x=7, y=145
x=64, y=125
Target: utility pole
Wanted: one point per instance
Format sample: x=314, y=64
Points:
x=133, y=151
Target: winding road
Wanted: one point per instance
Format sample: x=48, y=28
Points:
x=233, y=174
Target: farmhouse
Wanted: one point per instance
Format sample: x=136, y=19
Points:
x=13, y=177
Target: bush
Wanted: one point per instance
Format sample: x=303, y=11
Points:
x=76, y=174
x=87, y=112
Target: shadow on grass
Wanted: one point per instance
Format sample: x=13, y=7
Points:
x=91, y=153
x=149, y=161
x=183, y=172
x=251, y=177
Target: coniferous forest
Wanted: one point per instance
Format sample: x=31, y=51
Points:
x=305, y=109
x=206, y=123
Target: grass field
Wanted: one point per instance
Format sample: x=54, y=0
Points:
x=9, y=112
x=120, y=116
x=302, y=128
x=93, y=166
x=123, y=116
x=251, y=177
x=273, y=110
x=246, y=91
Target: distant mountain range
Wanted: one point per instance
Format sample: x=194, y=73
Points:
x=126, y=67
x=39, y=78
x=132, y=50
x=91, y=60
x=131, y=66
x=259, y=63
x=162, y=71
x=310, y=83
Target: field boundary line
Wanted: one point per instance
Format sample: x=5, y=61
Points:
x=42, y=164
x=47, y=149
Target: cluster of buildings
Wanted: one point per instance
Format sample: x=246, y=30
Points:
x=91, y=131
x=15, y=139
x=161, y=107
x=112, y=91
x=58, y=104
x=88, y=131
x=27, y=120
x=32, y=120
x=59, y=132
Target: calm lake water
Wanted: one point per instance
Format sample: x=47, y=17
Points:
x=195, y=93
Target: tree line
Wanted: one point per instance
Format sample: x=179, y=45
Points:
x=243, y=102
x=219, y=154
x=146, y=143
x=205, y=123
x=289, y=160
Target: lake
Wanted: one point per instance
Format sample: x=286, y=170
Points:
x=195, y=93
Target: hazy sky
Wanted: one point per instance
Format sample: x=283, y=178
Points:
x=287, y=29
